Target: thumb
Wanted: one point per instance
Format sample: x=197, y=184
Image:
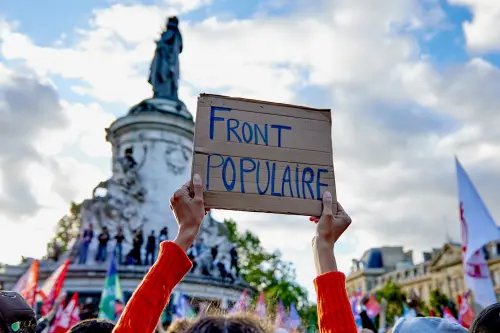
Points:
x=327, y=204
x=197, y=187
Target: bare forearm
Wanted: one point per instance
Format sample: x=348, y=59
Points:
x=324, y=258
x=185, y=238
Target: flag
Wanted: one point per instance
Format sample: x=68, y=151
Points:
x=68, y=317
x=478, y=229
x=355, y=301
x=52, y=287
x=294, y=321
x=260, y=309
x=183, y=309
x=449, y=316
x=27, y=284
x=478, y=226
x=112, y=294
x=281, y=319
x=241, y=304
x=466, y=314
x=372, y=307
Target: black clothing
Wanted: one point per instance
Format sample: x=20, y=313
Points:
x=103, y=239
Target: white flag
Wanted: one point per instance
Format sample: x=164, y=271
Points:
x=478, y=229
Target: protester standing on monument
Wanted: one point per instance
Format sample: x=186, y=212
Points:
x=119, y=238
x=234, y=259
x=87, y=236
x=137, y=244
x=151, y=248
x=102, y=248
x=163, y=235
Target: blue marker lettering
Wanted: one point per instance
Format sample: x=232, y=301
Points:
x=308, y=182
x=229, y=187
x=297, y=180
x=209, y=166
x=248, y=133
x=280, y=127
x=264, y=136
x=257, y=178
x=213, y=118
x=319, y=184
x=286, y=179
x=243, y=170
x=231, y=129
x=273, y=180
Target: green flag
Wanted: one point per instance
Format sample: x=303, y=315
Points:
x=112, y=302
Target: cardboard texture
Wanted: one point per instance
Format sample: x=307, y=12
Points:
x=263, y=157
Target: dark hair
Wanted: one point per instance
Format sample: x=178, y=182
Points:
x=129, y=150
x=242, y=323
x=93, y=326
x=487, y=321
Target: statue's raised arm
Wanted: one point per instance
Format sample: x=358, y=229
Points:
x=164, y=72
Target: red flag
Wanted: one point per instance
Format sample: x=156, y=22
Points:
x=27, y=285
x=52, y=287
x=466, y=313
x=68, y=317
x=449, y=316
x=372, y=307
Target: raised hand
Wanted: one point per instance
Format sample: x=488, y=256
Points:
x=189, y=209
x=330, y=226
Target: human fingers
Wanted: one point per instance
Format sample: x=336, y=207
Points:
x=197, y=187
x=327, y=204
x=182, y=191
x=314, y=219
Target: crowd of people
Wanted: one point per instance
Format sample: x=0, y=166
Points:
x=133, y=257
x=143, y=311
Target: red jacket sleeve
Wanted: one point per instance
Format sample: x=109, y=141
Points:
x=334, y=309
x=144, y=308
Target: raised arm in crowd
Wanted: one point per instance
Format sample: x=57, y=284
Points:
x=151, y=297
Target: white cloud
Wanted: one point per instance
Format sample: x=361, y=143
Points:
x=397, y=121
x=483, y=32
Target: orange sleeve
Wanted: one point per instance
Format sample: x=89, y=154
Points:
x=143, y=310
x=334, y=309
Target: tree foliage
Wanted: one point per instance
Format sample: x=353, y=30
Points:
x=268, y=272
x=67, y=229
x=394, y=297
x=438, y=301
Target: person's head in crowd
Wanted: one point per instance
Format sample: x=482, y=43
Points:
x=242, y=323
x=90, y=226
x=152, y=232
x=179, y=326
x=93, y=326
x=414, y=304
x=427, y=325
x=487, y=321
x=105, y=230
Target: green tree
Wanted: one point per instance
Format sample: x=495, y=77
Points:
x=67, y=229
x=438, y=301
x=394, y=297
x=268, y=272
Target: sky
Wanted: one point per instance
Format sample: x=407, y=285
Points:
x=411, y=84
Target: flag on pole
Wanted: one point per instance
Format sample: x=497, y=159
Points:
x=449, y=316
x=260, y=309
x=27, y=284
x=478, y=226
x=183, y=309
x=294, y=321
x=241, y=304
x=478, y=229
x=68, y=317
x=112, y=294
x=466, y=313
x=52, y=287
x=280, y=321
x=372, y=307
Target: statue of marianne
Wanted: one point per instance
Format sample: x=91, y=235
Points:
x=164, y=71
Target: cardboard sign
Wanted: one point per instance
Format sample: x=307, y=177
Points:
x=262, y=156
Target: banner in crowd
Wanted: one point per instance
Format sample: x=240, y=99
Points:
x=183, y=309
x=466, y=313
x=262, y=156
x=478, y=229
x=52, y=287
x=241, y=304
x=281, y=318
x=294, y=321
x=260, y=308
x=112, y=300
x=68, y=317
x=449, y=316
x=27, y=284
